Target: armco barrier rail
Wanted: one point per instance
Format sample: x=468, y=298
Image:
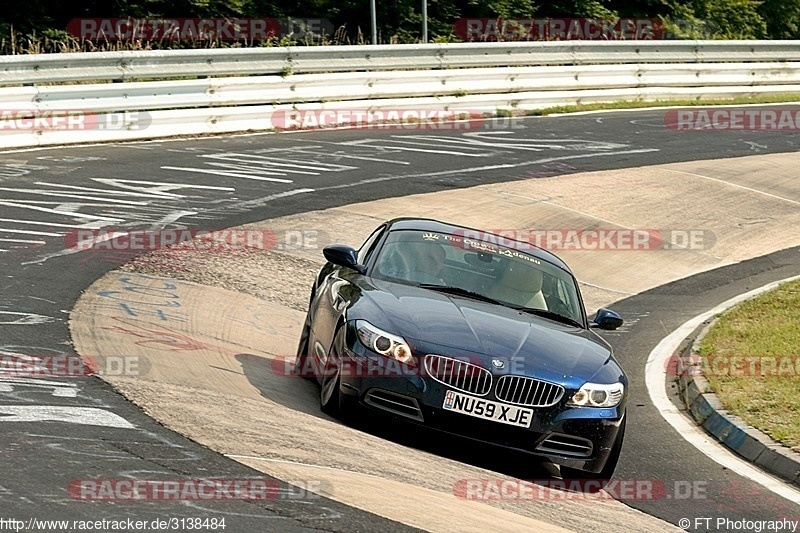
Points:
x=153, y=64
x=243, y=89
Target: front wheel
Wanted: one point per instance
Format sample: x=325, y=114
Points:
x=331, y=400
x=303, y=363
x=329, y=392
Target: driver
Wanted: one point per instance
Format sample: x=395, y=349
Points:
x=426, y=262
x=520, y=285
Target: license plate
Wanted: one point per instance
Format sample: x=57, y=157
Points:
x=487, y=409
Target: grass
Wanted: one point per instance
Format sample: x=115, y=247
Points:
x=635, y=104
x=765, y=329
x=53, y=41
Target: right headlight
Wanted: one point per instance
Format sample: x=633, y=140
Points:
x=384, y=343
x=598, y=395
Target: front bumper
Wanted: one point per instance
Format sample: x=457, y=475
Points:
x=576, y=437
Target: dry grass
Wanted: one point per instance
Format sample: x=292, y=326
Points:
x=52, y=41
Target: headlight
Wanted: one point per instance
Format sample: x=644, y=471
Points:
x=598, y=395
x=383, y=343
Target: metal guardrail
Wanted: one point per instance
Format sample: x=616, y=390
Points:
x=246, y=89
x=363, y=86
x=166, y=64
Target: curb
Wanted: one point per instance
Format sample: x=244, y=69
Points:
x=706, y=409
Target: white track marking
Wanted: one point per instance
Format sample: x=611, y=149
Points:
x=95, y=189
x=260, y=201
x=91, y=416
x=290, y=164
x=583, y=282
x=397, y=147
x=229, y=174
x=31, y=232
x=422, y=140
x=19, y=319
x=733, y=185
x=30, y=204
x=37, y=223
x=367, y=158
x=24, y=241
x=655, y=377
x=59, y=389
x=488, y=167
x=258, y=169
x=158, y=188
x=71, y=195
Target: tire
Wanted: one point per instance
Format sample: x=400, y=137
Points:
x=608, y=469
x=302, y=367
x=331, y=400
x=329, y=395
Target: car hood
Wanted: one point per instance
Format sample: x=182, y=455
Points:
x=433, y=322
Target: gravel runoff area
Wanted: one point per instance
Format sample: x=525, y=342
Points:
x=283, y=274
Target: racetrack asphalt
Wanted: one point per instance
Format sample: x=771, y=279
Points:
x=346, y=168
x=300, y=439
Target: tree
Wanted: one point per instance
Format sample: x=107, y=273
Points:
x=715, y=19
x=782, y=18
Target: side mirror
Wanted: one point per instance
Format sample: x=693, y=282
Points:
x=342, y=255
x=607, y=319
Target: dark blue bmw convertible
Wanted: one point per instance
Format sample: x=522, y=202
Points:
x=469, y=333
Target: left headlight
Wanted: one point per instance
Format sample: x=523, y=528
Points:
x=381, y=342
x=598, y=395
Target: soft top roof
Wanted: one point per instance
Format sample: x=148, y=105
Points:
x=429, y=224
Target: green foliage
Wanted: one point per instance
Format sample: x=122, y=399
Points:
x=34, y=26
x=502, y=8
x=715, y=19
x=782, y=18
x=593, y=9
x=449, y=38
x=579, y=9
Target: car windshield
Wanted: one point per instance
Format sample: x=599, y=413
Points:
x=480, y=269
